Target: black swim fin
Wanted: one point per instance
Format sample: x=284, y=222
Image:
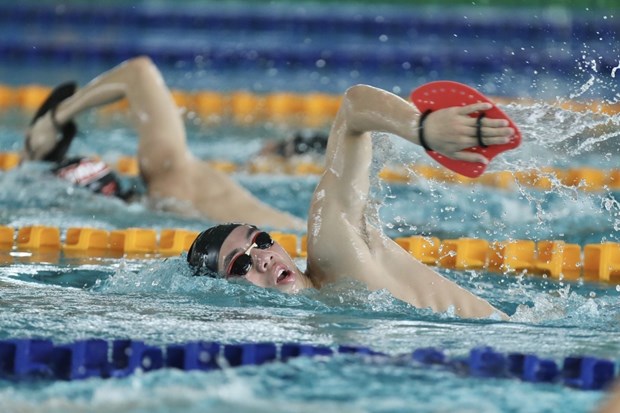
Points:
x=67, y=130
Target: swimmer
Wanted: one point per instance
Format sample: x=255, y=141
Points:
x=342, y=242
x=304, y=142
x=175, y=180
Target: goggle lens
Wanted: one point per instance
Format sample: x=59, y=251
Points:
x=242, y=264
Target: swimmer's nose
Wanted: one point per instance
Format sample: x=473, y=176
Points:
x=262, y=258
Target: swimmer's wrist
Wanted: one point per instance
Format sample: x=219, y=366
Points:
x=422, y=138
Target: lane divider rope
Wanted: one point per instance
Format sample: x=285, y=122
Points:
x=581, y=178
x=323, y=26
x=554, y=258
x=330, y=20
x=243, y=106
x=31, y=359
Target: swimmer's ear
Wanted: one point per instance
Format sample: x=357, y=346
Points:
x=67, y=130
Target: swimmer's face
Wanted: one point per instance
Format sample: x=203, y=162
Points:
x=265, y=263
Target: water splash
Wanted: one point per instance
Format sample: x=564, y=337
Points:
x=586, y=86
x=613, y=70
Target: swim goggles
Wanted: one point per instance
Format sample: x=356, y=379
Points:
x=242, y=264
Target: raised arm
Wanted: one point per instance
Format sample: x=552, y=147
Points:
x=342, y=243
x=366, y=109
x=175, y=179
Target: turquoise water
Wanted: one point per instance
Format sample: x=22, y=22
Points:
x=158, y=301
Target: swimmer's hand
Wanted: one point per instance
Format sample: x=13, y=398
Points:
x=449, y=131
x=41, y=138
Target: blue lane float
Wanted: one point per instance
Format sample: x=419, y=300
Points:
x=39, y=359
x=193, y=23
x=332, y=20
x=392, y=59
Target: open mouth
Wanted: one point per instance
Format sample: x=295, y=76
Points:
x=283, y=275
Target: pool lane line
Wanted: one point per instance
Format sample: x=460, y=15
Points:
x=585, y=179
x=548, y=258
x=244, y=107
x=41, y=359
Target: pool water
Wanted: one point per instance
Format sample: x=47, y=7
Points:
x=157, y=300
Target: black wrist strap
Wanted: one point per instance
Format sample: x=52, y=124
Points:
x=421, y=130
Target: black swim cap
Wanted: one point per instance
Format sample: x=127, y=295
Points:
x=205, y=250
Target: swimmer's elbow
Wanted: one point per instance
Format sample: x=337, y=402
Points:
x=357, y=93
x=355, y=106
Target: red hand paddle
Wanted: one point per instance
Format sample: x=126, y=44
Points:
x=444, y=94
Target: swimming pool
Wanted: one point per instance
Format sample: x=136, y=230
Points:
x=157, y=300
